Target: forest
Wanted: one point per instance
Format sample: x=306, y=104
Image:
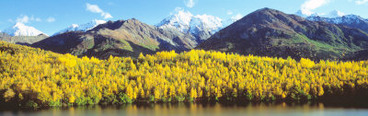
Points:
x=34, y=77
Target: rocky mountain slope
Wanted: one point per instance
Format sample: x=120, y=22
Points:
x=268, y=32
x=118, y=38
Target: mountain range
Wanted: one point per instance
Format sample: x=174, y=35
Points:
x=118, y=38
x=82, y=27
x=265, y=32
x=200, y=26
x=22, y=34
x=353, y=21
x=269, y=32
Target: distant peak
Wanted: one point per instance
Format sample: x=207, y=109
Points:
x=20, y=29
x=82, y=27
x=266, y=9
x=132, y=19
x=19, y=24
x=74, y=26
x=185, y=21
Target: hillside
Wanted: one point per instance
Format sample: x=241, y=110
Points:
x=118, y=38
x=25, y=40
x=268, y=32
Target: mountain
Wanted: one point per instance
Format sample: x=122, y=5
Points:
x=268, y=32
x=82, y=27
x=118, y=38
x=353, y=21
x=20, y=29
x=22, y=34
x=200, y=26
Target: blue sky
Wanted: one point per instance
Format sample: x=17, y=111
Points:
x=51, y=16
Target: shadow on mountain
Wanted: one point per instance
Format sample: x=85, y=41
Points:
x=357, y=56
x=269, y=32
x=112, y=25
x=60, y=43
x=115, y=51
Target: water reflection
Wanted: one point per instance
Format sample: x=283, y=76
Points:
x=184, y=109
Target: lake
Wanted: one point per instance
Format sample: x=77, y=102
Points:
x=183, y=109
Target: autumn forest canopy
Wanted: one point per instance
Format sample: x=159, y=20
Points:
x=34, y=77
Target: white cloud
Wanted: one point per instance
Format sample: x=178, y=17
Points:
x=50, y=19
x=236, y=17
x=30, y=19
x=106, y=15
x=229, y=12
x=360, y=2
x=95, y=9
x=189, y=3
x=26, y=19
x=309, y=5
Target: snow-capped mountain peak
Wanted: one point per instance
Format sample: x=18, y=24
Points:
x=205, y=21
x=20, y=29
x=346, y=19
x=82, y=27
x=201, y=26
x=180, y=20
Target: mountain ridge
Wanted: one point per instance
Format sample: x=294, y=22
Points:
x=118, y=38
x=269, y=32
x=200, y=26
x=82, y=27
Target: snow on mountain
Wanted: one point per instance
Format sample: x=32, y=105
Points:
x=335, y=17
x=82, y=27
x=20, y=29
x=181, y=21
x=201, y=26
x=353, y=21
x=345, y=19
x=209, y=22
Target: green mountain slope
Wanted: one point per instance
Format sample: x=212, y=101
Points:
x=268, y=32
x=119, y=38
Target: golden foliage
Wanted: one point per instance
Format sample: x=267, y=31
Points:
x=167, y=76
